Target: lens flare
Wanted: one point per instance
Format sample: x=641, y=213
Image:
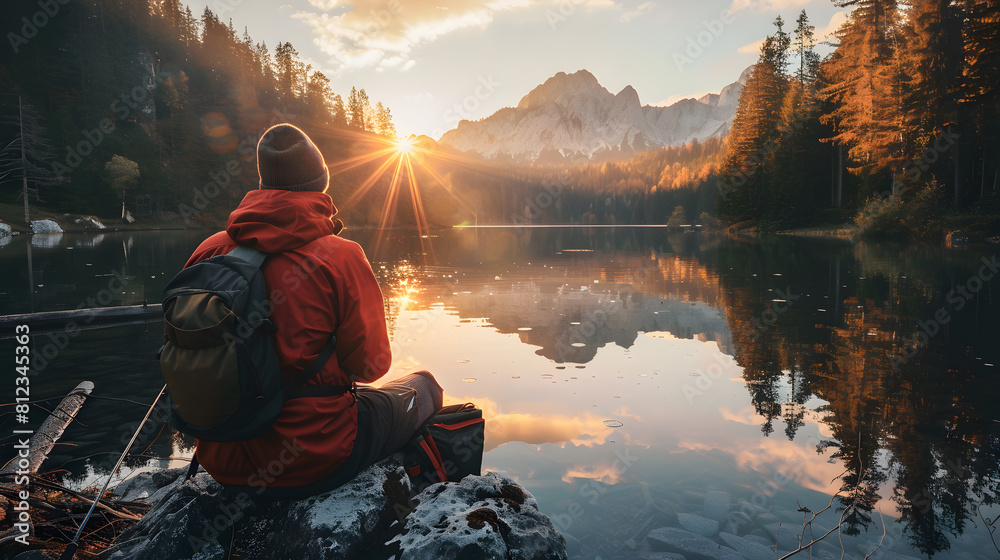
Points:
x=406, y=145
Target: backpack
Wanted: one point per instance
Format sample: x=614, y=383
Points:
x=218, y=359
x=447, y=447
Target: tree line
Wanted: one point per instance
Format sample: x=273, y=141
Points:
x=141, y=104
x=900, y=120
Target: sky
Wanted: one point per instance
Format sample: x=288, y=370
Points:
x=434, y=62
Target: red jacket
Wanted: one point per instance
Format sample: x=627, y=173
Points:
x=318, y=284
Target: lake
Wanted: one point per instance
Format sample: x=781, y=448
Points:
x=633, y=378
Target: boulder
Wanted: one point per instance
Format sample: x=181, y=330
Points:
x=698, y=525
x=884, y=554
x=787, y=535
x=737, y=523
x=200, y=519
x=373, y=516
x=692, y=546
x=748, y=549
x=717, y=505
x=89, y=222
x=45, y=226
x=482, y=518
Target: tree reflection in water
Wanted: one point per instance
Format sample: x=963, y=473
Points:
x=928, y=423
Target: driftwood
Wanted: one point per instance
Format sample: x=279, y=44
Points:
x=81, y=318
x=52, y=428
x=56, y=511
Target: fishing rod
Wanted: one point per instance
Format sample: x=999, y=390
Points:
x=73, y=545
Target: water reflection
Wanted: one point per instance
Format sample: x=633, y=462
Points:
x=46, y=240
x=634, y=377
x=921, y=432
x=817, y=333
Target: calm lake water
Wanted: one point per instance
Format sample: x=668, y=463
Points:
x=633, y=378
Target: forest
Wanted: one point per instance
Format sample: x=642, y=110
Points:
x=143, y=106
x=899, y=123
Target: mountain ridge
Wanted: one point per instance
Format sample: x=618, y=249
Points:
x=573, y=118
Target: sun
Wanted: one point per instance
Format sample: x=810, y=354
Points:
x=405, y=145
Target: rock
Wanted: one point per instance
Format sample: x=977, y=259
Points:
x=766, y=518
x=737, y=522
x=717, y=505
x=89, y=222
x=5, y=230
x=45, y=226
x=373, y=516
x=199, y=519
x=884, y=554
x=748, y=549
x=698, y=525
x=761, y=540
x=35, y=555
x=664, y=556
x=692, y=546
x=483, y=517
x=787, y=535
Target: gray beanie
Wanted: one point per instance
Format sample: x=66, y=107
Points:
x=288, y=160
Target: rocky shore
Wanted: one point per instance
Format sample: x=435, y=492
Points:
x=374, y=516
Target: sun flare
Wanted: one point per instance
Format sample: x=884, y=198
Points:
x=405, y=145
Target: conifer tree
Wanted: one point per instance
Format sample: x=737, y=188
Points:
x=866, y=84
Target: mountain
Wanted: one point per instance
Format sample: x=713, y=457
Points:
x=572, y=117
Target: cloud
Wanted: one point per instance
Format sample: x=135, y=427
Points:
x=547, y=428
x=767, y=5
x=751, y=48
x=826, y=32
x=638, y=11
x=367, y=33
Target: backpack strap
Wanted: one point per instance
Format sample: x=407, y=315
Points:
x=253, y=256
x=295, y=386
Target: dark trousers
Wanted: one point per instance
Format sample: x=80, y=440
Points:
x=388, y=417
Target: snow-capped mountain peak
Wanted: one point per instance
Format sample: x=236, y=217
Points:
x=574, y=117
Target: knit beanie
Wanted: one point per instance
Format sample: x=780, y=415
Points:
x=288, y=160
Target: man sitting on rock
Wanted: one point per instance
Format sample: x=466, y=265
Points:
x=319, y=285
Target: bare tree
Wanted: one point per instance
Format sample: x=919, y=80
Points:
x=27, y=157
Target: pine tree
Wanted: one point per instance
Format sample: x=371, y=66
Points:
x=865, y=83
x=319, y=97
x=754, y=134
x=979, y=86
x=339, y=118
x=934, y=65
x=285, y=57
x=366, y=110
x=804, y=48
x=355, y=109
x=383, y=121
